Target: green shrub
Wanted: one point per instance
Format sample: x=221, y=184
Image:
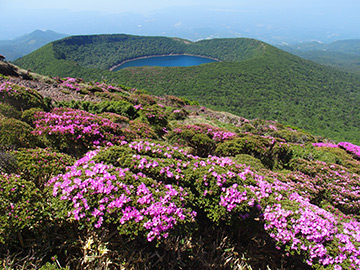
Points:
x=293, y=136
x=9, y=111
x=311, y=153
x=28, y=115
x=23, y=98
x=273, y=154
x=255, y=146
x=21, y=207
x=8, y=162
x=156, y=116
x=120, y=107
x=102, y=94
x=179, y=114
x=94, y=89
x=84, y=91
x=202, y=145
x=40, y=165
x=143, y=98
x=17, y=134
x=176, y=101
x=144, y=130
x=116, y=118
x=249, y=161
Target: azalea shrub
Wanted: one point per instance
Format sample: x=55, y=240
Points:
x=144, y=130
x=277, y=130
x=156, y=116
x=221, y=190
x=100, y=194
x=28, y=116
x=39, y=165
x=8, y=162
x=344, y=152
x=202, y=138
x=21, y=97
x=351, y=148
x=310, y=152
x=178, y=114
x=17, y=134
x=128, y=183
x=21, y=206
x=116, y=118
x=320, y=182
x=9, y=111
x=75, y=131
x=120, y=107
x=271, y=152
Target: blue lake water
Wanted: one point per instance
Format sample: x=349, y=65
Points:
x=167, y=61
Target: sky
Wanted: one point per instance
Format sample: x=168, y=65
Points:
x=273, y=21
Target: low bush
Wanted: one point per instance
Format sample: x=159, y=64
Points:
x=21, y=209
x=202, y=138
x=28, y=116
x=75, y=131
x=156, y=116
x=272, y=154
x=9, y=111
x=17, y=134
x=8, y=162
x=40, y=165
x=120, y=107
x=22, y=98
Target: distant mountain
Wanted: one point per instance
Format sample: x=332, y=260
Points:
x=14, y=49
x=343, y=54
x=253, y=79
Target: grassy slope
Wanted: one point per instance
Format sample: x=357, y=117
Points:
x=255, y=80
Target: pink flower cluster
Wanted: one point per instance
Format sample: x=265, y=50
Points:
x=220, y=136
x=311, y=230
x=352, y=148
x=323, y=238
x=11, y=88
x=321, y=144
x=293, y=221
x=70, y=83
x=349, y=147
x=78, y=126
x=96, y=191
x=331, y=182
x=6, y=87
x=232, y=197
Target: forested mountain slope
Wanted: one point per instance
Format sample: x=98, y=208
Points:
x=253, y=79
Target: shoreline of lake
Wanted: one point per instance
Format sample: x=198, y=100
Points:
x=159, y=55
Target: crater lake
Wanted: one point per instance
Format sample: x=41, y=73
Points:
x=166, y=61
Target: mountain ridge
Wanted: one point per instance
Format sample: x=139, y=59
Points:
x=254, y=79
x=23, y=45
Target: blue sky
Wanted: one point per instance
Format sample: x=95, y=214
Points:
x=274, y=21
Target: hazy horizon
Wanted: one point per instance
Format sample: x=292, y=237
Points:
x=275, y=22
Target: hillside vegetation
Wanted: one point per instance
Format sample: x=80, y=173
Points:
x=116, y=178
x=254, y=79
x=341, y=54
